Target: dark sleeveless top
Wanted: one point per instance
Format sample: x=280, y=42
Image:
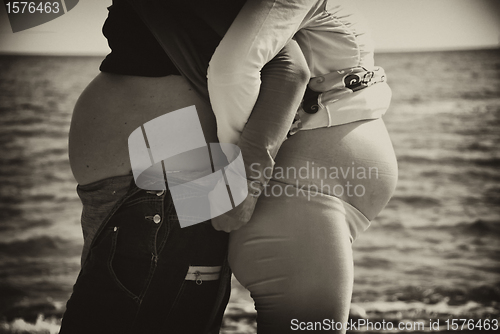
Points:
x=134, y=49
x=190, y=32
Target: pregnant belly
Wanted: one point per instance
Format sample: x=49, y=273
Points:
x=355, y=162
x=111, y=107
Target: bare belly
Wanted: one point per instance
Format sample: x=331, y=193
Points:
x=355, y=162
x=111, y=107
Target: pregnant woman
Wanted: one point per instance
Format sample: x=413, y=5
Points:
x=329, y=182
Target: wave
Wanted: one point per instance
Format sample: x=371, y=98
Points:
x=488, y=93
x=39, y=247
x=481, y=227
x=489, y=162
x=12, y=223
x=416, y=200
x=414, y=301
x=374, y=262
x=398, y=311
x=35, y=133
x=492, y=176
x=41, y=325
x=484, y=294
x=478, y=227
x=481, y=147
x=454, y=161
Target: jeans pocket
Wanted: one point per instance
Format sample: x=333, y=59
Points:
x=106, y=231
x=130, y=271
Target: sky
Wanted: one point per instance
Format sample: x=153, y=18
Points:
x=397, y=25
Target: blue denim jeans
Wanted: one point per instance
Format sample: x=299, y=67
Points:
x=140, y=275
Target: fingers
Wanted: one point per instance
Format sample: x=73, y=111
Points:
x=226, y=223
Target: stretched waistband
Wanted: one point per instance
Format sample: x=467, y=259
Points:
x=318, y=203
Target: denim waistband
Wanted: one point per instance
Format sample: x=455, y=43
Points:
x=99, y=199
x=102, y=198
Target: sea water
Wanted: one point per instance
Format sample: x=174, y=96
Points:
x=434, y=252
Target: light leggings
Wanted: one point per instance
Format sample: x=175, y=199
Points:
x=294, y=256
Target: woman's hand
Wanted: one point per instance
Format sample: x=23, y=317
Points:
x=226, y=223
x=237, y=217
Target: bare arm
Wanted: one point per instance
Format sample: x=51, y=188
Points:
x=284, y=80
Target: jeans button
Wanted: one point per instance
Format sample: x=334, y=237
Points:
x=157, y=219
